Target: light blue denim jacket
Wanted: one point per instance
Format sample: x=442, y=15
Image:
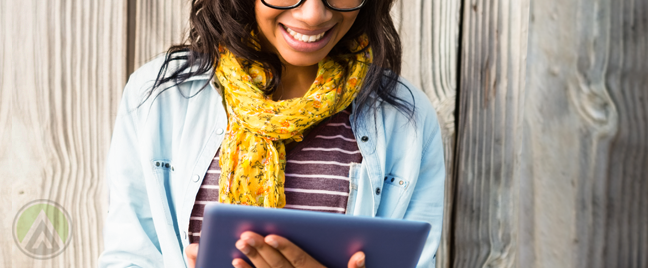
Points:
x=161, y=150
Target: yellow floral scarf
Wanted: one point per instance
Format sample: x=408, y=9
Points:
x=253, y=155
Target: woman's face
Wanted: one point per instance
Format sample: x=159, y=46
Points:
x=304, y=35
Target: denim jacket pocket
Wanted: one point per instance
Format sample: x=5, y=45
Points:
x=162, y=170
x=392, y=192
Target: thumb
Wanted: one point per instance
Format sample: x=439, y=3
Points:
x=192, y=253
x=357, y=260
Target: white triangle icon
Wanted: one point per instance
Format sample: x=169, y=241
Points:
x=42, y=237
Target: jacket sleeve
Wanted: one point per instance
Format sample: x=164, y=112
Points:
x=426, y=203
x=130, y=239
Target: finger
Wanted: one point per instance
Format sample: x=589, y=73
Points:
x=251, y=252
x=357, y=260
x=240, y=263
x=295, y=255
x=269, y=254
x=192, y=253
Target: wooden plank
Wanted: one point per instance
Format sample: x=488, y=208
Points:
x=158, y=25
x=616, y=78
x=555, y=135
x=64, y=64
x=429, y=32
x=492, y=78
x=5, y=132
x=586, y=130
x=626, y=222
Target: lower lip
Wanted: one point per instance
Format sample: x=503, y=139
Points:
x=303, y=46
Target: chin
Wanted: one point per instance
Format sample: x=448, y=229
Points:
x=301, y=60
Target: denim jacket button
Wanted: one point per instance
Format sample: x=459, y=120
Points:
x=377, y=191
x=196, y=178
x=364, y=139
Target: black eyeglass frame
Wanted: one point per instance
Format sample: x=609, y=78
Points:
x=323, y=1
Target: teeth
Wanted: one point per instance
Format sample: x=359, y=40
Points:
x=304, y=38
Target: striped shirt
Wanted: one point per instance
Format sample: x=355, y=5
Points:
x=317, y=172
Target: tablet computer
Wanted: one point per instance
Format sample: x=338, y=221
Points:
x=329, y=238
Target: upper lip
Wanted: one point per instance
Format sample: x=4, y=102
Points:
x=308, y=32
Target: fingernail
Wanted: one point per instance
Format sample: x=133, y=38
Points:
x=361, y=261
x=250, y=241
x=242, y=246
x=272, y=242
x=235, y=264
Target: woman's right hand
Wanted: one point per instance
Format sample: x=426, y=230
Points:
x=357, y=260
x=192, y=254
x=275, y=251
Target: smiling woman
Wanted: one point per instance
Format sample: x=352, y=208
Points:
x=272, y=103
x=301, y=33
x=305, y=35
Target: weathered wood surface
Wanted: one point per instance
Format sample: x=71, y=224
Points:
x=551, y=160
x=5, y=131
x=564, y=140
x=429, y=32
x=158, y=25
x=63, y=70
x=586, y=134
x=623, y=231
x=492, y=78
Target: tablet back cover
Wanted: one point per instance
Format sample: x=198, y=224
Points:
x=329, y=238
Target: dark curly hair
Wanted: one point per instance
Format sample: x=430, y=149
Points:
x=231, y=22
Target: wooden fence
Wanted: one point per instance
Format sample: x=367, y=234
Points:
x=543, y=107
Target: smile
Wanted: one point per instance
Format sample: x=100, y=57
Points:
x=304, y=38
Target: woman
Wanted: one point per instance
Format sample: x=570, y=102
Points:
x=276, y=103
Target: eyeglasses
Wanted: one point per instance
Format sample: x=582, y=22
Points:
x=337, y=5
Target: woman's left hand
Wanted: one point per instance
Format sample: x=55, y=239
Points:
x=274, y=251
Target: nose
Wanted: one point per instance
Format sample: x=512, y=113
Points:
x=313, y=12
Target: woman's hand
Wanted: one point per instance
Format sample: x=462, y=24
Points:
x=274, y=251
x=192, y=254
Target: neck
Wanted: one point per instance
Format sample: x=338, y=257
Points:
x=295, y=82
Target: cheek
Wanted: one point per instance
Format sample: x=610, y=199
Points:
x=266, y=20
x=348, y=19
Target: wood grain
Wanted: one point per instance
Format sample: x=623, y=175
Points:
x=63, y=62
x=625, y=225
x=492, y=79
x=585, y=134
x=5, y=131
x=600, y=117
x=555, y=139
x=158, y=25
x=429, y=31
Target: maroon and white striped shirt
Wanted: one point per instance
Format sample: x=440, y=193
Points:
x=317, y=172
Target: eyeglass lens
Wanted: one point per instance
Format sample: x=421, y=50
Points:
x=341, y=4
